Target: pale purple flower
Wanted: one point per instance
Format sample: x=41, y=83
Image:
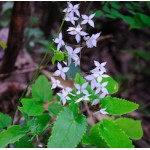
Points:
x=55, y=83
x=81, y=88
x=99, y=75
x=102, y=111
x=92, y=41
x=92, y=79
x=77, y=61
x=64, y=95
x=61, y=71
x=73, y=54
x=100, y=87
x=95, y=102
x=83, y=98
x=70, y=17
x=72, y=9
x=100, y=66
x=59, y=41
x=77, y=31
x=88, y=19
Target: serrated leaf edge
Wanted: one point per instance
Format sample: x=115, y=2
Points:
x=120, y=130
x=123, y=130
x=122, y=100
x=54, y=127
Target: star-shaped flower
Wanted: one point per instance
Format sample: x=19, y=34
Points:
x=92, y=41
x=99, y=75
x=59, y=41
x=73, y=53
x=81, y=88
x=61, y=71
x=77, y=31
x=70, y=17
x=64, y=95
x=92, y=79
x=88, y=19
x=72, y=9
x=95, y=102
x=83, y=98
x=102, y=111
x=100, y=66
x=101, y=88
x=55, y=83
x=77, y=61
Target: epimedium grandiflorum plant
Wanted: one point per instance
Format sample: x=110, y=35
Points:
x=63, y=125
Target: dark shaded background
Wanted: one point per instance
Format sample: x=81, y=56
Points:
x=32, y=27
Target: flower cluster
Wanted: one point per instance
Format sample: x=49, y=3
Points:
x=97, y=74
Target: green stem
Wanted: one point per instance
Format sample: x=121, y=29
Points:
x=43, y=59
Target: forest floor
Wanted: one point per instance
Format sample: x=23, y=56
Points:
x=115, y=47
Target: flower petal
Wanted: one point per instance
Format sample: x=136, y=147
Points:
x=57, y=73
x=85, y=17
x=91, y=23
x=91, y=16
x=77, y=37
x=59, y=66
x=65, y=69
x=63, y=76
x=84, y=21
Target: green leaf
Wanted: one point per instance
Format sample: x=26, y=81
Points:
x=38, y=124
x=11, y=135
x=94, y=138
x=118, y=106
x=112, y=85
x=79, y=79
x=145, y=19
x=68, y=129
x=3, y=44
x=24, y=142
x=58, y=56
x=131, y=127
x=55, y=108
x=99, y=13
x=31, y=107
x=115, y=5
x=5, y=120
x=41, y=90
x=113, y=136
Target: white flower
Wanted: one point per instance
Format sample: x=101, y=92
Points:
x=77, y=32
x=98, y=75
x=92, y=79
x=77, y=61
x=72, y=9
x=100, y=66
x=64, y=95
x=84, y=98
x=70, y=17
x=88, y=19
x=101, y=88
x=61, y=71
x=59, y=41
x=102, y=111
x=81, y=88
x=73, y=54
x=92, y=41
x=95, y=102
x=55, y=83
